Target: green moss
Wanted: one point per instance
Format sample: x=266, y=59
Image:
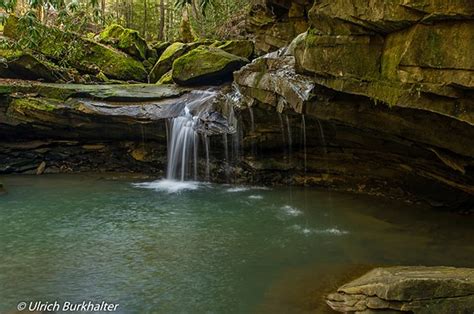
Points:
x=241, y=48
x=166, y=79
x=171, y=51
x=39, y=104
x=204, y=64
x=84, y=54
x=127, y=40
x=165, y=62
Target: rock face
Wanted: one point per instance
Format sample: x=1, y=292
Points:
x=387, y=106
x=83, y=54
x=402, y=289
x=51, y=128
x=206, y=66
x=275, y=23
x=127, y=40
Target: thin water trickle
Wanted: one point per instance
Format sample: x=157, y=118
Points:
x=252, y=120
x=206, y=145
x=303, y=130
x=226, y=156
x=290, y=141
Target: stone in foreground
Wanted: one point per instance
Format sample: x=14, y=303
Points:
x=413, y=289
x=206, y=65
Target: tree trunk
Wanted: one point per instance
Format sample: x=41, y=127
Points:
x=145, y=17
x=161, y=29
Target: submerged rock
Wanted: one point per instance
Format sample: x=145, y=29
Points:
x=414, y=289
x=206, y=65
x=83, y=54
x=127, y=40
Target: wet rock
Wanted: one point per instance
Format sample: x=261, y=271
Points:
x=401, y=289
x=127, y=40
x=83, y=54
x=206, y=66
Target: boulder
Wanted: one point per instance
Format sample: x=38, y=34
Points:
x=206, y=65
x=160, y=47
x=166, y=59
x=166, y=79
x=401, y=289
x=83, y=54
x=241, y=48
x=25, y=65
x=127, y=40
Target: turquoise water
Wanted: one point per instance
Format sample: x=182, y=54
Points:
x=207, y=248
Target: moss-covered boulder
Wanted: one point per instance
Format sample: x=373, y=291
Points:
x=165, y=61
x=206, y=65
x=160, y=47
x=24, y=65
x=241, y=48
x=83, y=54
x=127, y=40
x=166, y=79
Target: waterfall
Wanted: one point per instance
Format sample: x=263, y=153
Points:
x=290, y=141
x=303, y=130
x=183, y=137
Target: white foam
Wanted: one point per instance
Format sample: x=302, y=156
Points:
x=291, y=211
x=170, y=186
x=238, y=189
x=334, y=231
x=246, y=188
x=256, y=197
x=329, y=231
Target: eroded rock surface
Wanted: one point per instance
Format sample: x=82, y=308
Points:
x=413, y=289
x=370, y=98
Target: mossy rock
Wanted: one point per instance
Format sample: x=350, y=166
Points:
x=83, y=54
x=165, y=62
x=125, y=39
x=206, y=65
x=166, y=79
x=23, y=65
x=160, y=47
x=241, y=48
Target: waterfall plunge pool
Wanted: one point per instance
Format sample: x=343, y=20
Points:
x=162, y=247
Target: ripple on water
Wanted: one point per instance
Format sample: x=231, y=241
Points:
x=291, y=211
x=169, y=186
x=256, y=197
x=329, y=231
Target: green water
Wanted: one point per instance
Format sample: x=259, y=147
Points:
x=213, y=249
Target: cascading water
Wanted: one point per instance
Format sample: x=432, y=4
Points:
x=183, y=138
x=205, y=113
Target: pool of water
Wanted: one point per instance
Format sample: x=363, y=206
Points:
x=158, y=247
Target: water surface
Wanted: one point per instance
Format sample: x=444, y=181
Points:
x=154, y=247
